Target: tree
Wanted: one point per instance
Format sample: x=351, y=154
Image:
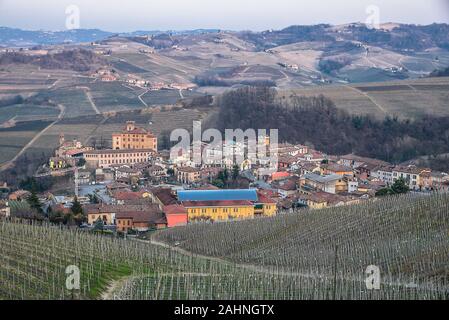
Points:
x=99, y=225
x=218, y=183
x=235, y=172
x=77, y=209
x=383, y=192
x=56, y=217
x=93, y=198
x=400, y=186
x=34, y=202
x=81, y=162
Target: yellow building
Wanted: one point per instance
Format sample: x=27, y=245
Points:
x=134, y=138
x=219, y=205
x=219, y=210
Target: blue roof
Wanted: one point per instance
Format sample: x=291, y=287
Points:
x=218, y=195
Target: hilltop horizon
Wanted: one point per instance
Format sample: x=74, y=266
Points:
x=383, y=25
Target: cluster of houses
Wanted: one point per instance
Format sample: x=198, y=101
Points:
x=136, y=187
x=156, y=86
x=106, y=75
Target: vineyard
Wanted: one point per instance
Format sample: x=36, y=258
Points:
x=406, y=237
x=305, y=255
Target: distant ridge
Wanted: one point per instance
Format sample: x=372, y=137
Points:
x=395, y=34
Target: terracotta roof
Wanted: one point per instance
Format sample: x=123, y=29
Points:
x=337, y=167
x=165, y=196
x=154, y=216
x=353, y=157
x=135, y=131
x=280, y=175
x=410, y=169
x=99, y=208
x=110, y=151
x=75, y=151
x=265, y=199
x=175, y=209
x=116, y=185
x=123, y=195
x=321, y=197
x=188, y=169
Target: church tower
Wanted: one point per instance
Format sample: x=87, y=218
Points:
x=61, y=139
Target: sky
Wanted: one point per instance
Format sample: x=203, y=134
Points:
x=257, y=15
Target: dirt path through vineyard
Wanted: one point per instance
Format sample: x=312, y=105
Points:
x=114, y=286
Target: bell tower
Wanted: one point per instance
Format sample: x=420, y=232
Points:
x=61, y=139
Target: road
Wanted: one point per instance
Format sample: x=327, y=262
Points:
x=89, y=97
x=105, y=118
x=381, y=108
x=140, y=98
x=10, y=163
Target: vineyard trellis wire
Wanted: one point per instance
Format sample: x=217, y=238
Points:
x=290, y=256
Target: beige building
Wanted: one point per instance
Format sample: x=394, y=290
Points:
x=106, y=158
x=133, y=137
x=188, y=175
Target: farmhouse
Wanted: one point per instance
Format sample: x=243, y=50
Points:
x=320, y=200
x=323, y=183
x=108, y=213
x=188, y=175
x=338, y=169
x=411, y=174
x=141, y=220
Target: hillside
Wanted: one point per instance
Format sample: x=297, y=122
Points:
x=316, y=121
x=293, y=57
x=404, y=236
x=77, y=60
x=291, y=256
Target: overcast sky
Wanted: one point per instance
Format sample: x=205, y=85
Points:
x=131, y=15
